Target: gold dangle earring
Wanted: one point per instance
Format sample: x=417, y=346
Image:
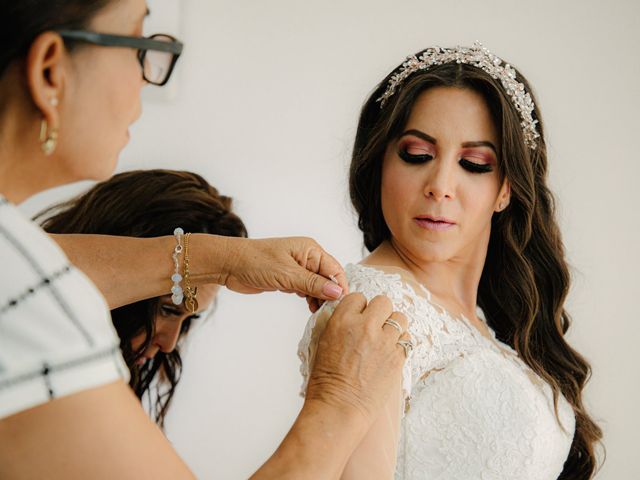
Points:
x=48, y=136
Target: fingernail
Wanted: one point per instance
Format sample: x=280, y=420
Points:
x=332, y=290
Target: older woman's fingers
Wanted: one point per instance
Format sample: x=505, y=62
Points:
x=330, y=268
x=379, y=309
x=399, y=319
x=316, y=286
x=356, y=361
x=312, y=260
x=313, y=304
x=295, y=264
x=390, y=323
x=405, y=345
x=352, y=303
x=322, y=276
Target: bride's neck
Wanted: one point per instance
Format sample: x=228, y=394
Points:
x=453, y=282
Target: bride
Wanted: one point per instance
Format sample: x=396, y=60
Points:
x=448, y=178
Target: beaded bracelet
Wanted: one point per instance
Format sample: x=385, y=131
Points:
x=176, y=291
x=190, y=293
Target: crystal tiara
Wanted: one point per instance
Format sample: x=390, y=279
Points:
x=476, y=56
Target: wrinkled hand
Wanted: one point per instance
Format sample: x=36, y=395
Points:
x=292, y=265
x=358, y=363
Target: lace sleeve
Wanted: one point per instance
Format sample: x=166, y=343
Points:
x=422, y=317
x=437, y=337
x=309, y=342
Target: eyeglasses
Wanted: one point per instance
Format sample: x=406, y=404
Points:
x=157, y=54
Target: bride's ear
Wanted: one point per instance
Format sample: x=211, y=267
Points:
x=504, y=196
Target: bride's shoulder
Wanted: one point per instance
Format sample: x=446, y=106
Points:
x=396, y=283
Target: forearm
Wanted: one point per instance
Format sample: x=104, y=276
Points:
x=127, y=269
x=375, y=456
x=318, y=445
x=100, y=433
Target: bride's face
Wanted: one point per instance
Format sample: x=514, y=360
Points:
x=440, y=178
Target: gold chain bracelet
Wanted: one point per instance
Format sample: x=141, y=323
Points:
x=189, y=293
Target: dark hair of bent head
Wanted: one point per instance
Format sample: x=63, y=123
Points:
x=21, y=21
x=526, y=278
x=148, y=203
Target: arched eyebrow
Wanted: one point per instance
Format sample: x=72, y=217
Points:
x=428, y=138
x=419, y=134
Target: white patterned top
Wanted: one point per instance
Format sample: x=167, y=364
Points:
x=474, y=408
x=56, y=335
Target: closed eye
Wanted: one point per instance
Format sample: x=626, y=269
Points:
x=168, y=311
x=414, y=156
x=475, y=167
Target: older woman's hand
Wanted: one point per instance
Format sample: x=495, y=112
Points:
x=292, y=265
x=358, y=362
x=358, y=365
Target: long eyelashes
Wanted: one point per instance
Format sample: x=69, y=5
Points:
x=475, y=167
x=464, y=163
x=414, y=159
x=172, y=312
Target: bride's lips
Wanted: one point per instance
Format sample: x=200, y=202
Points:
x=437, y=224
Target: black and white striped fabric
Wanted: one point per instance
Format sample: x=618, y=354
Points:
x=56, y=335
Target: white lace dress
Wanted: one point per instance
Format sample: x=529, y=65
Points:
x=474, y=410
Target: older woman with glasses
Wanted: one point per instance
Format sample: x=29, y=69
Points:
x=158, y=54
x=70, y=83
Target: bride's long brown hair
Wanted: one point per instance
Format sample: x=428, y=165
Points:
x=525, y=279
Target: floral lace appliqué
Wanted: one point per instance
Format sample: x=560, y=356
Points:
x=474, y=409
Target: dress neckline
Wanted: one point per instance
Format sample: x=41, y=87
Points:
x=489, y=339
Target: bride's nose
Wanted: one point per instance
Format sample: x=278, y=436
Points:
x=439, y=184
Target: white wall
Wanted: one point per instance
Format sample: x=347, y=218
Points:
x=266, y=104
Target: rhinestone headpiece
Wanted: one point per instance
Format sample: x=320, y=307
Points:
x=480, y=57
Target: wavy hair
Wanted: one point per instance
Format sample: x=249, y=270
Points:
x=525, y=279
x=147, y=203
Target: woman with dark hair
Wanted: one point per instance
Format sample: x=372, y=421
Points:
x=71, y=73
x=448, y=178
x=145, y=204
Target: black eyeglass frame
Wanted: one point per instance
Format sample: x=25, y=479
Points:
x=142, y=44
